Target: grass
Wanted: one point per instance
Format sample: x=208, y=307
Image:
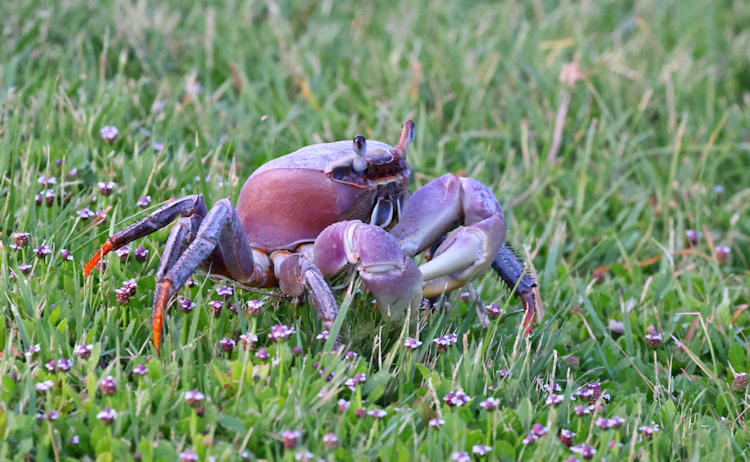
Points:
x=654, y=141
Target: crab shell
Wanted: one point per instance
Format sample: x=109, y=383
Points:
x=292, y=199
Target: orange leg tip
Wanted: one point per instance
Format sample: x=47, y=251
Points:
x=106, y=248
x=161, y=305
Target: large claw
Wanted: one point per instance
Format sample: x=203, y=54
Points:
x=394, y=279
x=436, y=209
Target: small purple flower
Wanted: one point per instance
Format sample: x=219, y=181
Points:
x=140, y=369
x=616, y=421
x=351, y=356
x=141, y=254
x=692, y=237
x=462, y=456
x=131, y=286
x=122, y=295
x=556, y=388
x=45, y=386
x=481, y=450
x=187, y=305
x=304, y=456
x=65, y=255
x=296, y=351
x=722, y=253
x=49, y=196
x=38, y=198
x=72, y=172
x=412, y=343
x=490, y=404
x=51, y=366
x=158, y=146
x=494, y=311
x=34, y=349
x=584, y=450
x=225, y=291
x=144, y=202
x=503, y=373
x=281, y=332
x=227, y=345
x=718, y=189
x=216, y=307
x=249, y=340
x=539, y=430
x=566, y=437
x=109, y=386
x=582, y=410
x=101, y=216
x=444, y=341
x=64, y=365
x=83, y=351
x=654, y=339
x=107, y=415
x=194, y=398
x=554, y=400
x=322, y=336
x=436, y=423
x=188, y=456
x=330, y=440
x=109, y=133
x=106, y=187
x=603, y=423
x=456, y=398
x=21, y=239
x=43, y=180
x=123, y=253
x=343, y=405
x=290, y=438
x=262, y=354
x=75, y=440
x=85, y=214
x=359, y=378
x=377, y=414
x=254, y=307
x=649, y=430
x=42, y=251
x=25, y=268
x=53, y=415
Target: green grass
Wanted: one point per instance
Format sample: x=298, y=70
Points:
x=661, y=118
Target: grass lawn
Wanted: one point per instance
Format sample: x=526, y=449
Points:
x=611, y=132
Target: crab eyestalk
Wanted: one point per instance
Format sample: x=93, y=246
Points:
x=359, y=164
x=408, y=133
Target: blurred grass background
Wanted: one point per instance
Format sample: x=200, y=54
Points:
x=655, y=141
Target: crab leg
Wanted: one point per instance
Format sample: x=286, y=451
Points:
x=297, y=274
x=394, y=279
x=439, y=207
x=510, y=269
x=186, y=206
x=221, y=228
x=180, y=237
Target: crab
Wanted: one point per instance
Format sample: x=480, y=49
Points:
x=304, y=218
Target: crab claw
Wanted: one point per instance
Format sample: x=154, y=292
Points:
x=394, y=279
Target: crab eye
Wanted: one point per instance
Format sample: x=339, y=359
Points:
x=359, y=164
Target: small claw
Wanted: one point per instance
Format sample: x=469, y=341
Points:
x=106, y=248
